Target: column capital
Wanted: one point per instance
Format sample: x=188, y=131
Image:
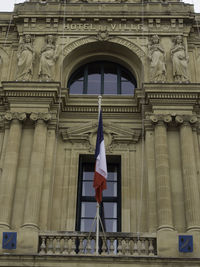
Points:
x=40, y=116
x=186, y=120
x=160, y=119
x=9, y=116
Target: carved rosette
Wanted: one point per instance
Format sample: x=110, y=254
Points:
x=40, y=116
x=21, y=116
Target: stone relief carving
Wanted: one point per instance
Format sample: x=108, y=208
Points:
x=179, y=61
x=113, y=135
x=124, y=42
x=103, y=35
x=25, y=56
x=157, y=59
x=48, y=57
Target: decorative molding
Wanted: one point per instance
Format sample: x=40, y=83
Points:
x=124, y=42
x=111, y=109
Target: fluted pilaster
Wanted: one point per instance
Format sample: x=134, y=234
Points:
x=151, y=174
x=189, y=173
x=8, y=179
x=164, y=202
x=35, y=180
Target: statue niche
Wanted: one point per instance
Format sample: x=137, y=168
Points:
x=157, y=59
x=179, y=61
x=25, y=57
x=48, y=57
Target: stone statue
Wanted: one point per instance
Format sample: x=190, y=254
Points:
x=157, y=58
x=180, y=61
x=48, y=57
x=25, y=58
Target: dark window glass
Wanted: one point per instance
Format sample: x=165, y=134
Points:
x=102, y=77
x=94, y=79
x=86, y=203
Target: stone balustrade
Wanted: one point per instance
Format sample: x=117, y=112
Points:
x=112, y=244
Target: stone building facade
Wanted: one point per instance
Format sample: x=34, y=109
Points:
x=143, y=56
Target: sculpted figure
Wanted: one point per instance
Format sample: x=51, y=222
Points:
x=180, y=61
x=25, y=58
x=48, y=57
x=157, y=58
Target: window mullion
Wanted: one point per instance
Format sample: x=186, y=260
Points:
x=85, y=83
x=102, y=79
x=118, y=80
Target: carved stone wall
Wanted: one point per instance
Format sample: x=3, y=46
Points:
x=44, y=129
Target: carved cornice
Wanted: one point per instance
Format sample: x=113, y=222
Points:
x=110, y=109
x=40, y=116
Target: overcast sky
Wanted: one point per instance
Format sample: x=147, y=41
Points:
x=7, y=5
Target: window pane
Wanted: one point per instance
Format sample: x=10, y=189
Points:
x=88, y=175
x=76, y=87
x=86, y=225
x=88, y=209
x=87, y=189
x=94, y=78
x=110, y=78
x=112, y=173
x=111, y=190
x=110, y=210
x=110, y=84
x=111, y=225
x=127, y=88
x=94, y=84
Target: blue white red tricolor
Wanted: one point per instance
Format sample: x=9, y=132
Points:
x=100, y=174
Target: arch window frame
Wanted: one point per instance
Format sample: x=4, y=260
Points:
x=120, y=72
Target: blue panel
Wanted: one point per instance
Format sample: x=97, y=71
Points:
x=9, y=240
x=185, y=243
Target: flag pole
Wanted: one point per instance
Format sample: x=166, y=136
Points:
x=97, y=229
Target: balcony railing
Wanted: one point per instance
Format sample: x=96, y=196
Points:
x=112, y=244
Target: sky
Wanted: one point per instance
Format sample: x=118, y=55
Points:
x=7, y=5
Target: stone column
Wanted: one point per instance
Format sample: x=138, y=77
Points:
x=164, y=202
x=189, y=173
x=35, y=179
x=8, y=179
x=151, y=176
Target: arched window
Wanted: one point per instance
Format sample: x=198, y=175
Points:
x=102, y=77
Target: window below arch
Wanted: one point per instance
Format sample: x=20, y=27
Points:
x=102, y=77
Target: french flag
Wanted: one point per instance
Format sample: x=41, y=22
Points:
x=100, y=174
